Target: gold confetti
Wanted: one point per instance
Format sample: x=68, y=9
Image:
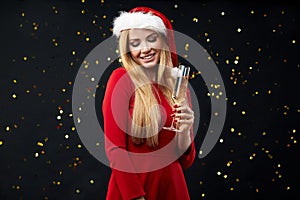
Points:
x=54, y=9
x=40, y=144
x=229, y=163
x=7, y=129
x=14, y=96
x=186, y=47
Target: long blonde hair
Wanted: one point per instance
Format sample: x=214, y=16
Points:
x=146, y=116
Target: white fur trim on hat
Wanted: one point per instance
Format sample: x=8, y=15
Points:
x=128, y=20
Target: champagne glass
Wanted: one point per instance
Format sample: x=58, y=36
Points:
x=179, y=91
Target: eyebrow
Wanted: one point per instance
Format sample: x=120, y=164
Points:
x=130, y=39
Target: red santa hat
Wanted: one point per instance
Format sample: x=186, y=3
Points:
x=148, y=18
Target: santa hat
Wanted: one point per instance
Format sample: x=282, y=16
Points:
x=148, y=18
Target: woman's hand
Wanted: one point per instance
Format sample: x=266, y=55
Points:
x=184, y=116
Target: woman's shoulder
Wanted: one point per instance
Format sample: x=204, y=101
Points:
x=118, y=73
x=120, y=76
x=119, y=70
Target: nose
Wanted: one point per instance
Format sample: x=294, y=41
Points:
x=145, y=47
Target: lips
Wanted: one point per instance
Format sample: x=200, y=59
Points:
x=148, y=57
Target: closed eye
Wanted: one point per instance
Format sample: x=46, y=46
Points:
x=134, y=43
x=152, y=37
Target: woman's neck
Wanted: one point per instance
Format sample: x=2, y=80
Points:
x=152, y=73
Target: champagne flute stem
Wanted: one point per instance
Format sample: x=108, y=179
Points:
x=172, y=125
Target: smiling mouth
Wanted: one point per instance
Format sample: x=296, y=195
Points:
x=148, y=57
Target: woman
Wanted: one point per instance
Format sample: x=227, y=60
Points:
x=147, y=161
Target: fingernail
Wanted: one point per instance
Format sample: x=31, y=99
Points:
x=172, y=115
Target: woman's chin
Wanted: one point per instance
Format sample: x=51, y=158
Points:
x=149, y=65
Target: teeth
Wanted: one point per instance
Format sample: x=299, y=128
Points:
x=148, y=57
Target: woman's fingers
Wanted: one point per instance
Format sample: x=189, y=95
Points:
x=183, y=111
x=184, y=116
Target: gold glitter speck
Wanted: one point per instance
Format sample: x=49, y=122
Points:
x=186, y=47
x=7, y=128
x=40, y=144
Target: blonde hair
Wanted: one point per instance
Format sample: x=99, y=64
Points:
x=146, y=116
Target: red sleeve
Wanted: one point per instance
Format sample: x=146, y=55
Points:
x=187, y=159
x=115, y=109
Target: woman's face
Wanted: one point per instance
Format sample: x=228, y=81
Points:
x=145, y=46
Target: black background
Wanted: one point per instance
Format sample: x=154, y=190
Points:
x=264, y=84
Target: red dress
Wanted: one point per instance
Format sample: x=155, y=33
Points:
x=157, y=176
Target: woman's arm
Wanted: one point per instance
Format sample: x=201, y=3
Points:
x=116, y=115
x=185, y=118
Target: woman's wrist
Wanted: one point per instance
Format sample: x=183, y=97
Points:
x=184, y=141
